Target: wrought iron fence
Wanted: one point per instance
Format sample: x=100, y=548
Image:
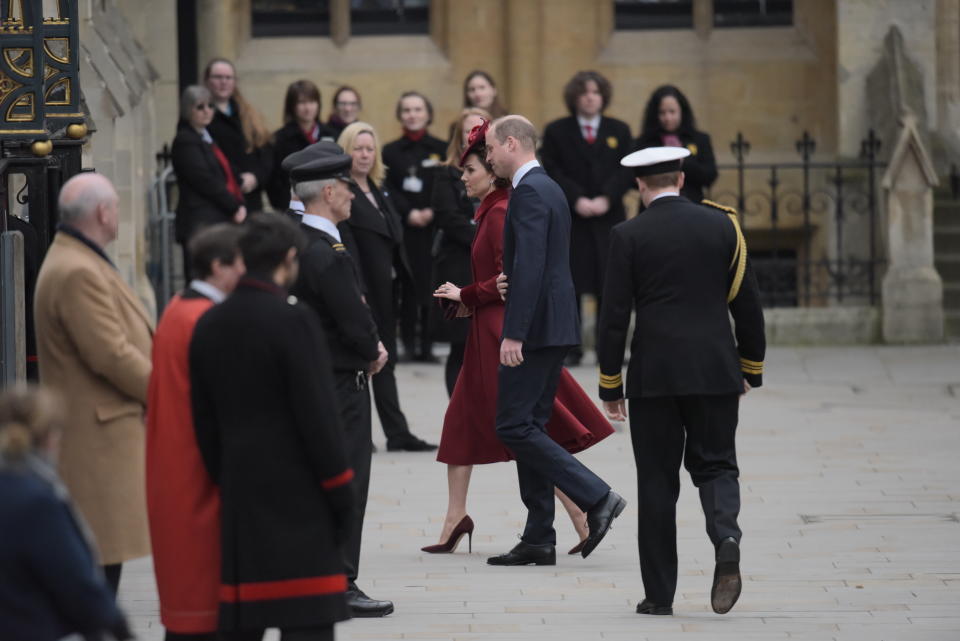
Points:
x=813, y=228
x=160, y=239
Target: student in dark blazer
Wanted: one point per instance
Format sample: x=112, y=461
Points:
x=210, y=192
x=582, y=153
x=240, y=131
x=539, y=327
x=411, y=161
x=668, y=122
x=302, y=127
x=374, y=237
x=683, y=267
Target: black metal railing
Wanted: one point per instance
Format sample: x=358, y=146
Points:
x=812, y=227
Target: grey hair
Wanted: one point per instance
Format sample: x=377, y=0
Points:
x=81, y=195
x=311, y=189
x=190, y=97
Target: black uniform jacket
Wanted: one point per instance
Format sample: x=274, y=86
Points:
x=586, y=170
x=204, y=199
x=415, y=160
x=329, y=283
x=268, y=428
x=287, y=140
x=541, y=306
x=699, y=168
x=684, y=268
x=227, y=132
x=374, y=239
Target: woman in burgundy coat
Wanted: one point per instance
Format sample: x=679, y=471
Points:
x=469, y=437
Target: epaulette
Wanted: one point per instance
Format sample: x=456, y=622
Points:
x=715, y=205
x=339, y=247
x=738, y=263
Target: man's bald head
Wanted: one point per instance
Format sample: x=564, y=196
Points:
x=517, y=127
x=89, y=202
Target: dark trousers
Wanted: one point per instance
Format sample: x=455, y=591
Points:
x=524, y=404
x=112, y=574
x=354, y=398
x=454, y=363
x=700, y=431
x=298, y=634
x=384, y=384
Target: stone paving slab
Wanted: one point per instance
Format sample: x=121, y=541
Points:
x=851, y=519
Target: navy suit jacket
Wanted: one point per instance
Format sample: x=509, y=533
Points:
x=541, y=309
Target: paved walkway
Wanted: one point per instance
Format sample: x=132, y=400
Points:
x=851, y=495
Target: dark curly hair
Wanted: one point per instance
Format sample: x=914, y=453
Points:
x=651, y=128
x=577, y=86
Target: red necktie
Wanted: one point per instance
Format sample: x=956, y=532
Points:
x=590, y=137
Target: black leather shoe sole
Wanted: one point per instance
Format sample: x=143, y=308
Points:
x=518, y=560
x=371, y=613
x=648, y=607
x=421, y=446
x=594, y=539
x=727, y=583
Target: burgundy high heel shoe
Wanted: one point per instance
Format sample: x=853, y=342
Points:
x=465, y=526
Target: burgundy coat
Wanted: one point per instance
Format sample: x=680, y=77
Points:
x=469, y=434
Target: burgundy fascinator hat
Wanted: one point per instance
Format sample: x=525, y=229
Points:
x=476, y=141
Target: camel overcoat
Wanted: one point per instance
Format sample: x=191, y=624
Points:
x=93, y=342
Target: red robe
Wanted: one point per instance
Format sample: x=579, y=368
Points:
x=469, y=434
x=182, y=503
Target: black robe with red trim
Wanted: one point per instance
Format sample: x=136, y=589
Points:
x=270, y=436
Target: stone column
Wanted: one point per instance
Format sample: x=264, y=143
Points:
x=523, y=58
x=912, y=289
x=948, y=73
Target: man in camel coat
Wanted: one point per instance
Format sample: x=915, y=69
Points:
x=93, y=342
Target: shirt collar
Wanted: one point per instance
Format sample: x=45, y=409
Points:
x=321, y=223
x=207, y=138
x=524, y=168
x=296, y=205
x=665, y=193
x=208, y=290
x=593, y=122
x=75, y=233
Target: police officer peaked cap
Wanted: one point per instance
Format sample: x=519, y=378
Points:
x=331, y=165
x=317, y=150
x=655, y=160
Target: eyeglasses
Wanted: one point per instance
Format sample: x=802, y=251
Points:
x=344, y=103
x=217, y=77
x=203, y=105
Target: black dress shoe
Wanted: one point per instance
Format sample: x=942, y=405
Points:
x=410, y=443
x=599, y=519
x=649, y=607
x=726, y=577
x=526, y=554
x=363, y=606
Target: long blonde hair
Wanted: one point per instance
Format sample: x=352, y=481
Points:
x=347, y=137
x=255, y=131
x=455, y=148
x=28, y=417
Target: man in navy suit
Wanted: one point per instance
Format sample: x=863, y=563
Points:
x=540, y=326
